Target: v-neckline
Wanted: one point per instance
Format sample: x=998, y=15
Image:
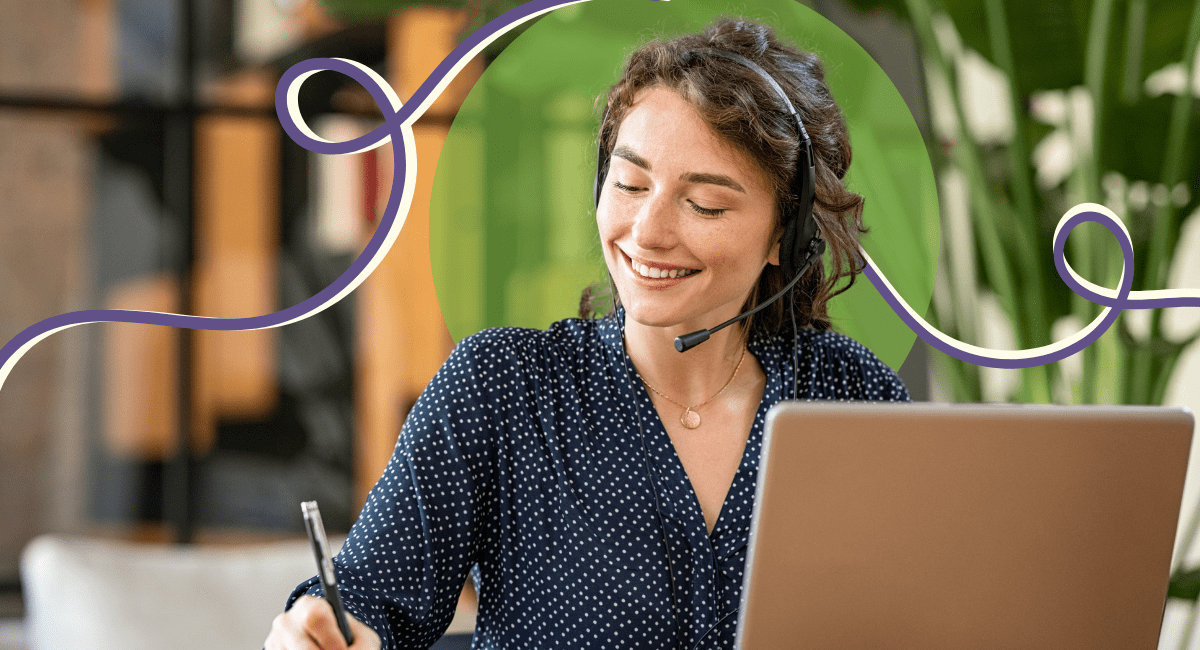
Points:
x=678, y=500
x=673, y=475
x=666, y=455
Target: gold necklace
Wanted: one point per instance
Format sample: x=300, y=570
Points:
x=690, y=418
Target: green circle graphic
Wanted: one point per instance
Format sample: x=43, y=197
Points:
x=512, y=230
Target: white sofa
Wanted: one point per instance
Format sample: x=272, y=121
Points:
x=89, y=594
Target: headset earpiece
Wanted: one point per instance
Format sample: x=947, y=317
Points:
x=801, y=228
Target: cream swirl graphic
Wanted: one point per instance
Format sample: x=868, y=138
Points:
x=398, y=126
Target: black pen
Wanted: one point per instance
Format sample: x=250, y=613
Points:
x=325, y=571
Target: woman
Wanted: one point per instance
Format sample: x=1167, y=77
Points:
x=600, y=482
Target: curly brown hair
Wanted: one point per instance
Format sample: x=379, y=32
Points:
x=743, y=109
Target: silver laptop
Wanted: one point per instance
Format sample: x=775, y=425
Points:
x=963, y=526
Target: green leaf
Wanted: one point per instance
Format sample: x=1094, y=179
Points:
x=1185, y=585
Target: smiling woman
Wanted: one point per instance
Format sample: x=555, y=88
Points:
x=745, y=116
x=686, y=221
x=597, y=483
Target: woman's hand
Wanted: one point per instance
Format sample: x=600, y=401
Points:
x=309, y=625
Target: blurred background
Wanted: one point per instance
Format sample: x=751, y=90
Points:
x=142, y=166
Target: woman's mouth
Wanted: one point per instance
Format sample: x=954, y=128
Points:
x=651, y=272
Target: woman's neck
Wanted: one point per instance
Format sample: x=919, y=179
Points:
x=690, y=377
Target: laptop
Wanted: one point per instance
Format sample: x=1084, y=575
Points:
x=921, y=526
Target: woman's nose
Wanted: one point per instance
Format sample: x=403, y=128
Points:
x=654, y=226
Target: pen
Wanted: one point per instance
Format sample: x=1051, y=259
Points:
x=325, y=572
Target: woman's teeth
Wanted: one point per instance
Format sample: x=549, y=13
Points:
x=651, y=272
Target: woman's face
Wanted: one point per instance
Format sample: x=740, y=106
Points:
x=685, y=220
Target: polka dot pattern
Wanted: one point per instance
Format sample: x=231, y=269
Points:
x=523, y=463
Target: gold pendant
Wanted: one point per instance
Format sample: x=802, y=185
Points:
x=690, y=418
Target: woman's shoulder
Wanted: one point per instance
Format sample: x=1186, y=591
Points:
x=843, y=368
x=497, y=368
x=562, y=340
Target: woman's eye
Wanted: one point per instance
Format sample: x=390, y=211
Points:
x=624, y=188
x=707, y=212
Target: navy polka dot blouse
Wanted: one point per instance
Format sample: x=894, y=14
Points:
x=523, y=461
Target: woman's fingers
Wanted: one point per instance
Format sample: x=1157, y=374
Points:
x=309, y=625
x=364, y=637
x=317, y=620
x=287, y=634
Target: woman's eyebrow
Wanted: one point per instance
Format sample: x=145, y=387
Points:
x=629, y=154
x=626, y=153
x=713, y=179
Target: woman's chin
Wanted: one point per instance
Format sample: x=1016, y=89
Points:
x=680, y=319
x=653, y=316
x=675, y=322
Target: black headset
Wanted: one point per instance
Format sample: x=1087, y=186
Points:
x=801, y=244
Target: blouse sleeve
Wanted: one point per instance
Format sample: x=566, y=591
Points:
x=420, y=531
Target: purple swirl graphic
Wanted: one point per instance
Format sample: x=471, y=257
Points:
x=1114, y=301
x=398, y=126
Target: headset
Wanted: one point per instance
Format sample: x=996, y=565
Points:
x=800, y=246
